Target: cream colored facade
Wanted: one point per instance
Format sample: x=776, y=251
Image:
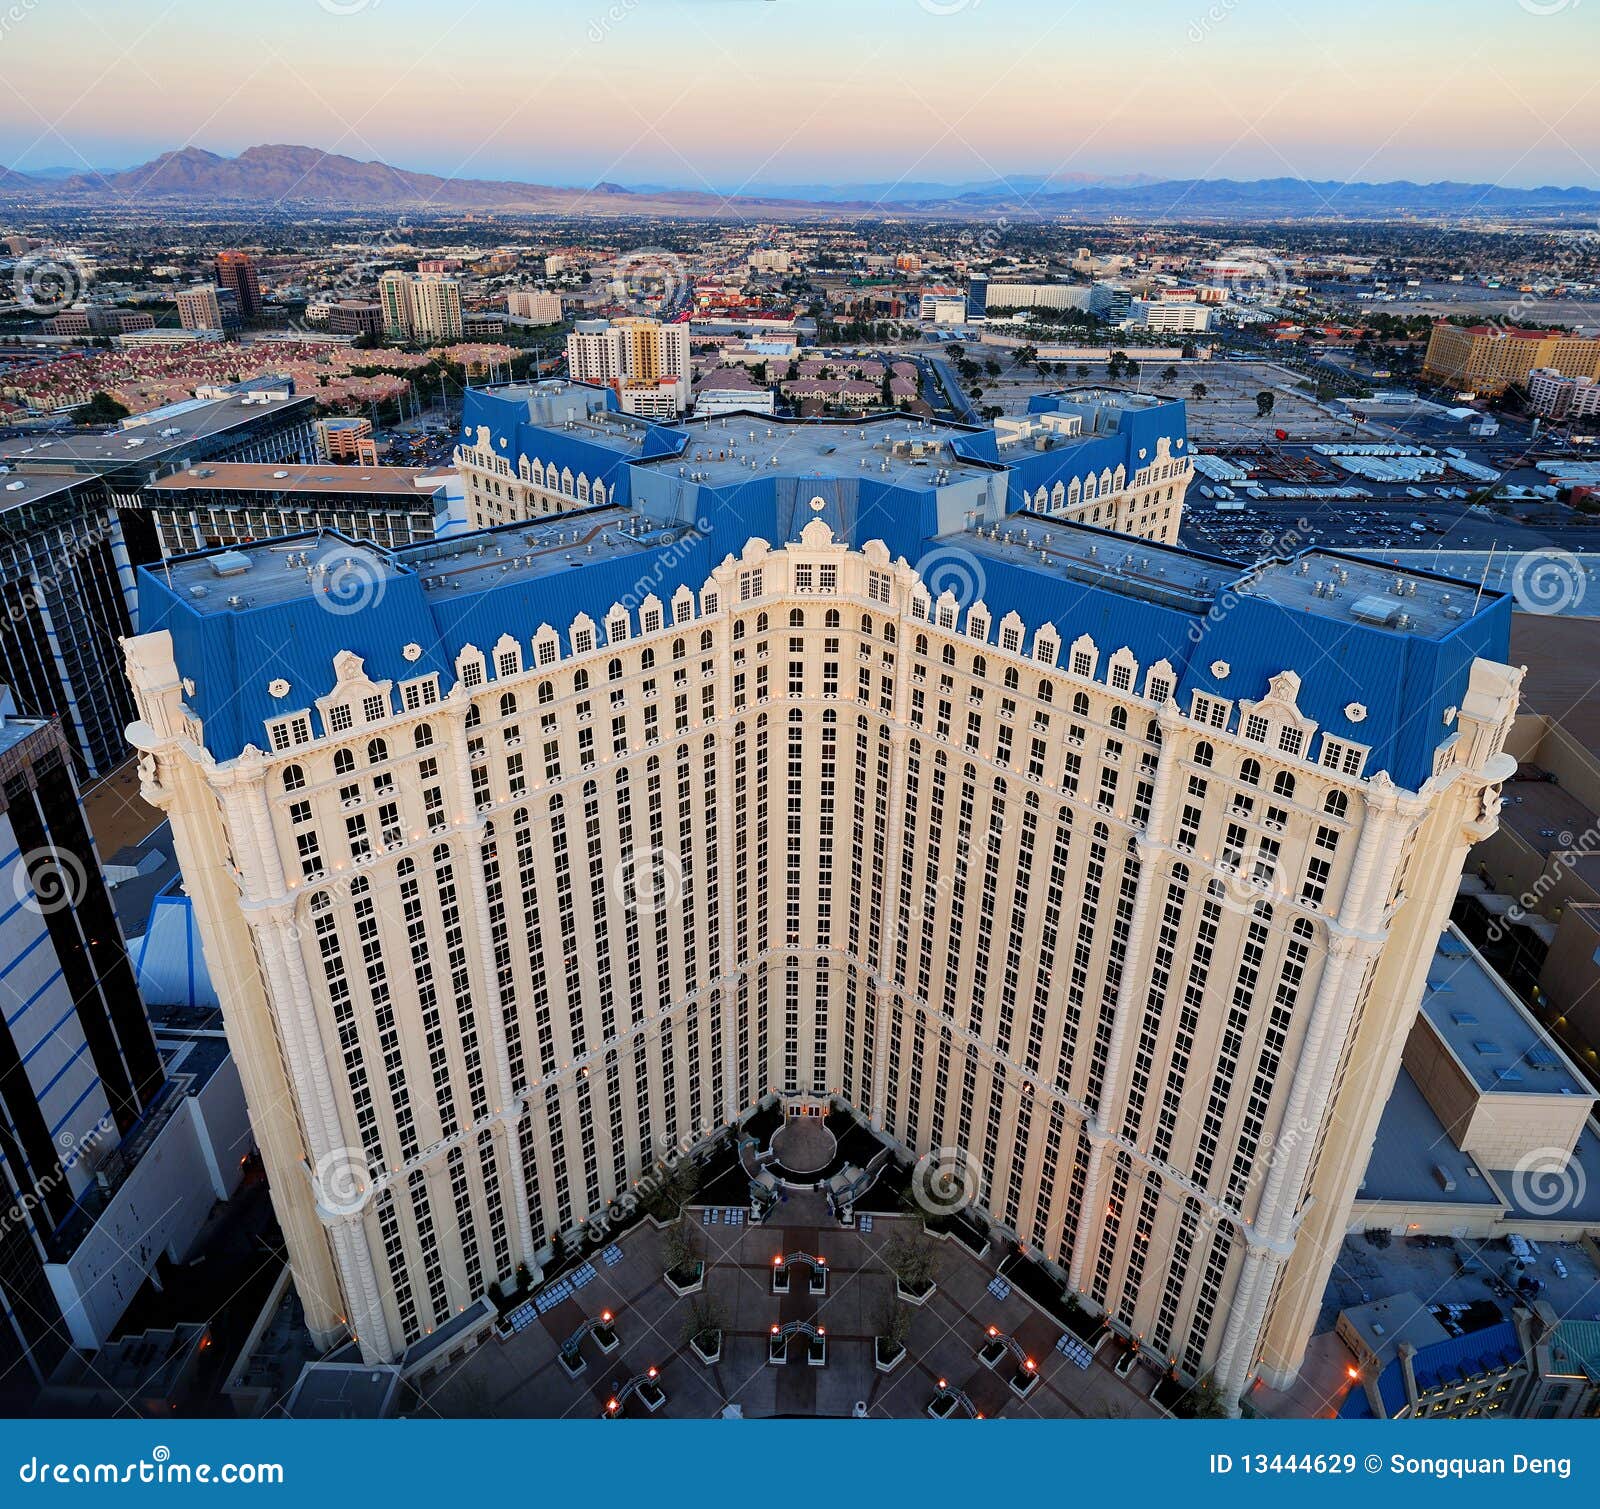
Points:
x=484, y=949
x=645, y=360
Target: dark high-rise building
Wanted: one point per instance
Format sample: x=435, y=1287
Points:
x=79, y=1067
x=237, y=273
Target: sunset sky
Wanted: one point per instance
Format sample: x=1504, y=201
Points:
x=745, y=93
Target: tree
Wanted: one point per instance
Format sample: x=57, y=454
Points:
x=1169, y=373
x=678, y=1253
x=1264, y=403
x=911, y=1258
x=101, y=409
x=1082, y=369
x=1199, y=390
x=704, y=1315
x=893, y=1323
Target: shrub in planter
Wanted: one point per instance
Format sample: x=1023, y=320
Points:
x=887, y=1355
x=703, y=1327
x=913, y=1260
x=573, y=1362
x=680, y=1262
x=993, y=1354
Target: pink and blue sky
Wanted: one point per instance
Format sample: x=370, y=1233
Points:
x=736, y=93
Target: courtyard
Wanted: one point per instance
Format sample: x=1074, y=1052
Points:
x=834, y=1318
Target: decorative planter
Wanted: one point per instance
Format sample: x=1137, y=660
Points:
x=886, y=1360
x=651, y=1396
x=605, y=1338
x=683, y=1285
x=707, y=1346
x=777, y=1351
x=817, y=1352
x=992, y=1355
x=913, y=1296
x=573, y=1364
x=942, y=1407
x=1023, y=1383
x=780, y=1280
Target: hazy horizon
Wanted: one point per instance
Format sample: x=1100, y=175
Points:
x=742, y=94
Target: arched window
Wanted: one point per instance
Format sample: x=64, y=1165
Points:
x=423, y=736
x=614, y=669
x=1283, y=784
x=343, y=762
x=1080, y=704
x=797, y=618
x=1250, y=772
x=1337, y=804
x=1119, y=719
x=1203, y=754
x=508, y=704
x=547, y=692
x=293, y=778
x=580, y=681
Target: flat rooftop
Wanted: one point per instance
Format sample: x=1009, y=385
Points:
x=18, y=488
x=733, y=448
x=1498, y=1043
x=157, y=437
x=1412, y=1149
x=1348, y=589
x=414, y=483
x=273, y=572
x=532, y=552
x=1093, y=557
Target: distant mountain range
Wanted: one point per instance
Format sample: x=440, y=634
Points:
x=291, y=177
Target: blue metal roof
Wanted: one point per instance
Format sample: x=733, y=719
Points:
x=1247, y=620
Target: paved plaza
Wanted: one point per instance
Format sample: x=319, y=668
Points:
x=524, y=1376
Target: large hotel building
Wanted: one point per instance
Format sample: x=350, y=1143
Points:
x=810, y=757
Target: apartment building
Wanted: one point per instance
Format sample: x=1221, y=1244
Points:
x=1488, y=359
x=644, y=361
x=199, y=308
x=534, y=306
x=1115, y=872
x=420, y=306
x=1554, y=395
